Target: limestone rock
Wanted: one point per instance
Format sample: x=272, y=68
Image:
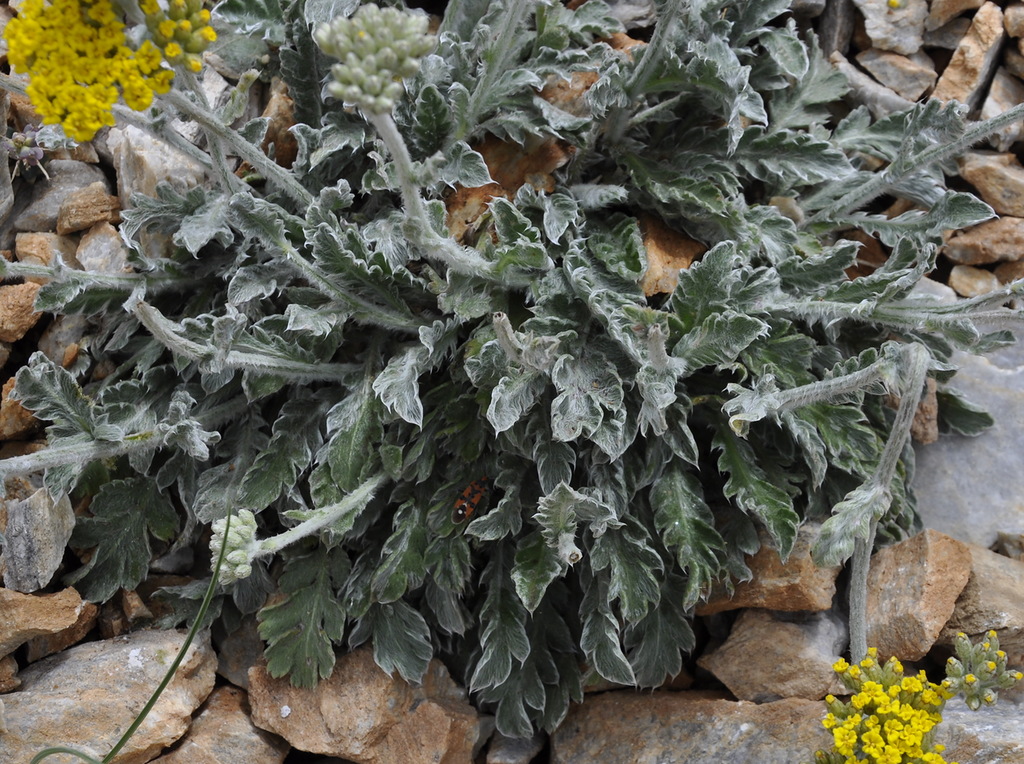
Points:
x=880, y=100
x=27, y=616
x=999, y=179
x=8, y=677
x=508, y=750
x=66, y=177
x=362, y=714
x=141, y=162
x=896, y=29
x=101, y=250
x=688, y=728
x=835, y=27
x=43, y=249
x=48, y=644
x=991, y=600
x=1007, y=272
x=974, y=59
x=797, y=584
x=1013, y=19
x=942, y=12
x=60, y=340
x=1005, y=92
x=668, y=252
x=988, y=736
x=769, y=656
x=87, y=696
x=238, y=652
x=908, y=77
x=223, y=732
x=16, y=422
x=948, y=36
x=990, y=242
x=17, y=314
x=952, y=474
x=38, y=530
x=912, y=588
x=969, y=281
x=87, y=206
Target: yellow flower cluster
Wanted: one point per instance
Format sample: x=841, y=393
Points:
x=78, y=62
x=890, y=717
x=182, y=31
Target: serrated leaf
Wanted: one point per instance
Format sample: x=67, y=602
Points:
x=398, y=384
x=619, y=245
x=514, y=396
x=401, y=640
x=631, y=564
x=719, y=339
x=956, y=414
x=125, y=513
x=655, y=644
x=851, y=520
x=53, y=394
x=749, y=487
x=402, y=566
x=503, y=637
x=599, y=639
x=354, y=429
x=687, y=529
x=433, y=120
x=536, y=566
x=301, y=630
x=464, y=166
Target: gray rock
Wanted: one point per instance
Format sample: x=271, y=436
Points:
x=970, y=281
x=880, y=100
x=102, y=250
x=809, y=9
x=87, y=696
x=142, y=162
x=948, y=36
x=943, y=11
x=974, y=60
x=38, y=529
x=1005, y=92
x=954, y=474
x=511, y=750
x=66, y=177
x=835, y=27
x=991, y=735
x=909, y=77
x=897, y=29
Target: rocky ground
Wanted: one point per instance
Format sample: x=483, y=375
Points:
x=76, y=674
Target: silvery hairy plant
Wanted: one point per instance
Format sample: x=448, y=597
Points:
x=493, y=446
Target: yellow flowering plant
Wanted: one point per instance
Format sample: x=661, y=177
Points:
x=891, y=718
x=80, y=62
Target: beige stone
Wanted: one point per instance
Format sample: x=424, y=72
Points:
x=16, y=422
x=1014, y=61
x=998, y=178
x=87, y=206
x=223, y=732
x=40, y=647
x=991, y=600
x=1013, y=19
x=362, y=714
x=16, y=310
x=668, y=252
x=969, y=281
x=896, y=29
x=942, y=12
x=912, y=589
x=925, y=427
x=8, y=675
x=769, y=656
x=797, y=584
x=1005, y=92
x=1009, y=272
x=974, y=59
x=909, y=76
x=86, y=697
x=42, y=249
x=624, y=727
x=990, y=242
x=29, y=615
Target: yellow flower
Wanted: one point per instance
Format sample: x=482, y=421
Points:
x=79, y=63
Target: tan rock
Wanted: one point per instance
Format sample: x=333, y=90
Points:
x=797, y=584
x=1005, y=92
x=101, y=250
x=16, y=422
x=769, y=656
x=925, y=427
x=912, y=589
x=362, y=714
x=223, y=732
x=280, y=110
x=991, y=600
x=86, y=207
x=1007, y=272
x=974, y=59
x=87, y=696
x=29, y=615
x=688, y=728
x=8, y=675
x=909, y=77
x=896, y=29
x=514, y=750
x=942, y=12
x=998, y=178
x=969, y=281
x=1013, y=19
x=42, y=249
x=990, y=242
x=39, y=647
x=1014, y=61
x=668, y=252
x=17, y=315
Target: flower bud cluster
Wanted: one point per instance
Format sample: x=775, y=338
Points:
x=889, y=719
x=377, y=48
x=241, y=546
x=978, y=671
x=182, y=31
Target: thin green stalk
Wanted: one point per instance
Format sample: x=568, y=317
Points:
x=860, y=565
x=239, y=146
